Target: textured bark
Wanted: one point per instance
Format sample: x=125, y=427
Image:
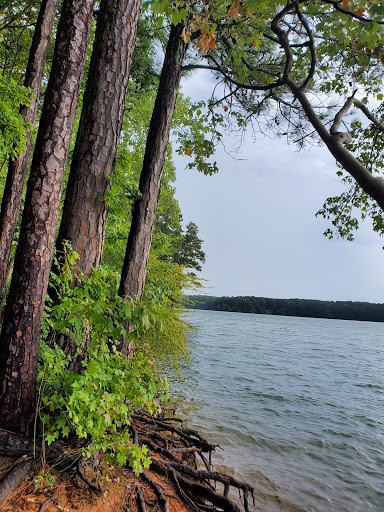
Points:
x=19, y=338
x=85, y=209
x=17, y=168
x=144, y=212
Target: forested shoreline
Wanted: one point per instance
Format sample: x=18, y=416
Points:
x=342, y=310
x=94, y=255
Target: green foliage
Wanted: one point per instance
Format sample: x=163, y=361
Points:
x=44, y=478
x=16, y=31
x=187, y=251
x=168, y=335
x=95, y=403
x=197, y=134
x=347, y=210
x=333, y=49
x=13, y=128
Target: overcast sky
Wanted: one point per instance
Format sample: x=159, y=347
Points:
x=257, y=220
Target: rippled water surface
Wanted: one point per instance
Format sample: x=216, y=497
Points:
x=297, y=404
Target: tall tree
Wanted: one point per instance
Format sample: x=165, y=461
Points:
x=144, y=211
x=85, y=208
x=188, y=250
x=19, y=339
x=17, y=168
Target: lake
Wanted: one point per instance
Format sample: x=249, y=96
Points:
x=297, y=404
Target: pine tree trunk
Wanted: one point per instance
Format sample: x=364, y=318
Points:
x=19, y=339
x=85, y=209
x=17, y=168
x=144, y=212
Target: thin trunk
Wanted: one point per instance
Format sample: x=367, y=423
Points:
x=85, y=209
x=144, y=212
x=19, y=340
x=17, y=168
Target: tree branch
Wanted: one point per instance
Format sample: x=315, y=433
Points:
x=189, y=67
x=268, y=87
x=343, y=137
x=214, y=103
x=283, y=38
x=359, y=104
x=312, y=47
x=374, y=187
x=350, y=13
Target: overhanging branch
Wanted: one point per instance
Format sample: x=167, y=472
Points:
x=336, y=5
x=359, y=104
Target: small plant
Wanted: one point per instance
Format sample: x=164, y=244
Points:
x=94, y=402
x=44, y=479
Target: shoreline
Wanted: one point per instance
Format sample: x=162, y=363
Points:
x=174, y=482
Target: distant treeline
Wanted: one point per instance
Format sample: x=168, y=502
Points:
x=343, y=310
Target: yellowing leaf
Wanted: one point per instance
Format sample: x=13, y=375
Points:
x=360, y=11
x=250, y=14
x=212, y=44
x=203, y=42
x=235, y=10
x=232, y=13
x=186, y=35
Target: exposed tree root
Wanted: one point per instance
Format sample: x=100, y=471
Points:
x=140, y=499
x=173, y=476
x=14, y=477
x=12, y=445
x=173, y=450
x=86, y=481
x=188, y=436
x=160, y=495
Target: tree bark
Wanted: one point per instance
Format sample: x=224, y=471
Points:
x=85, y=208
x=17, y=168
x=144, y=212
x=19, y=339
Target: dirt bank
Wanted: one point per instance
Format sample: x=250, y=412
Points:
x=173, y=483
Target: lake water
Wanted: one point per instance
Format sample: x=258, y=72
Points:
x=297, y=404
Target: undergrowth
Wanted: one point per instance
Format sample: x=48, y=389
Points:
x=93, y=402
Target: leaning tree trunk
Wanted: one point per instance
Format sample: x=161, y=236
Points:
x=85, y=208
x=144, y=212
x=19, y=340
x=17, y=168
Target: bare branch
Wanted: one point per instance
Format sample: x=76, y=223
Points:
x=189, y=67
x=336, y=5
x=311, y=45
x=268, y=87
x=344, y=137
x=231, y=93
x=283, y=38
x=359, y=104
